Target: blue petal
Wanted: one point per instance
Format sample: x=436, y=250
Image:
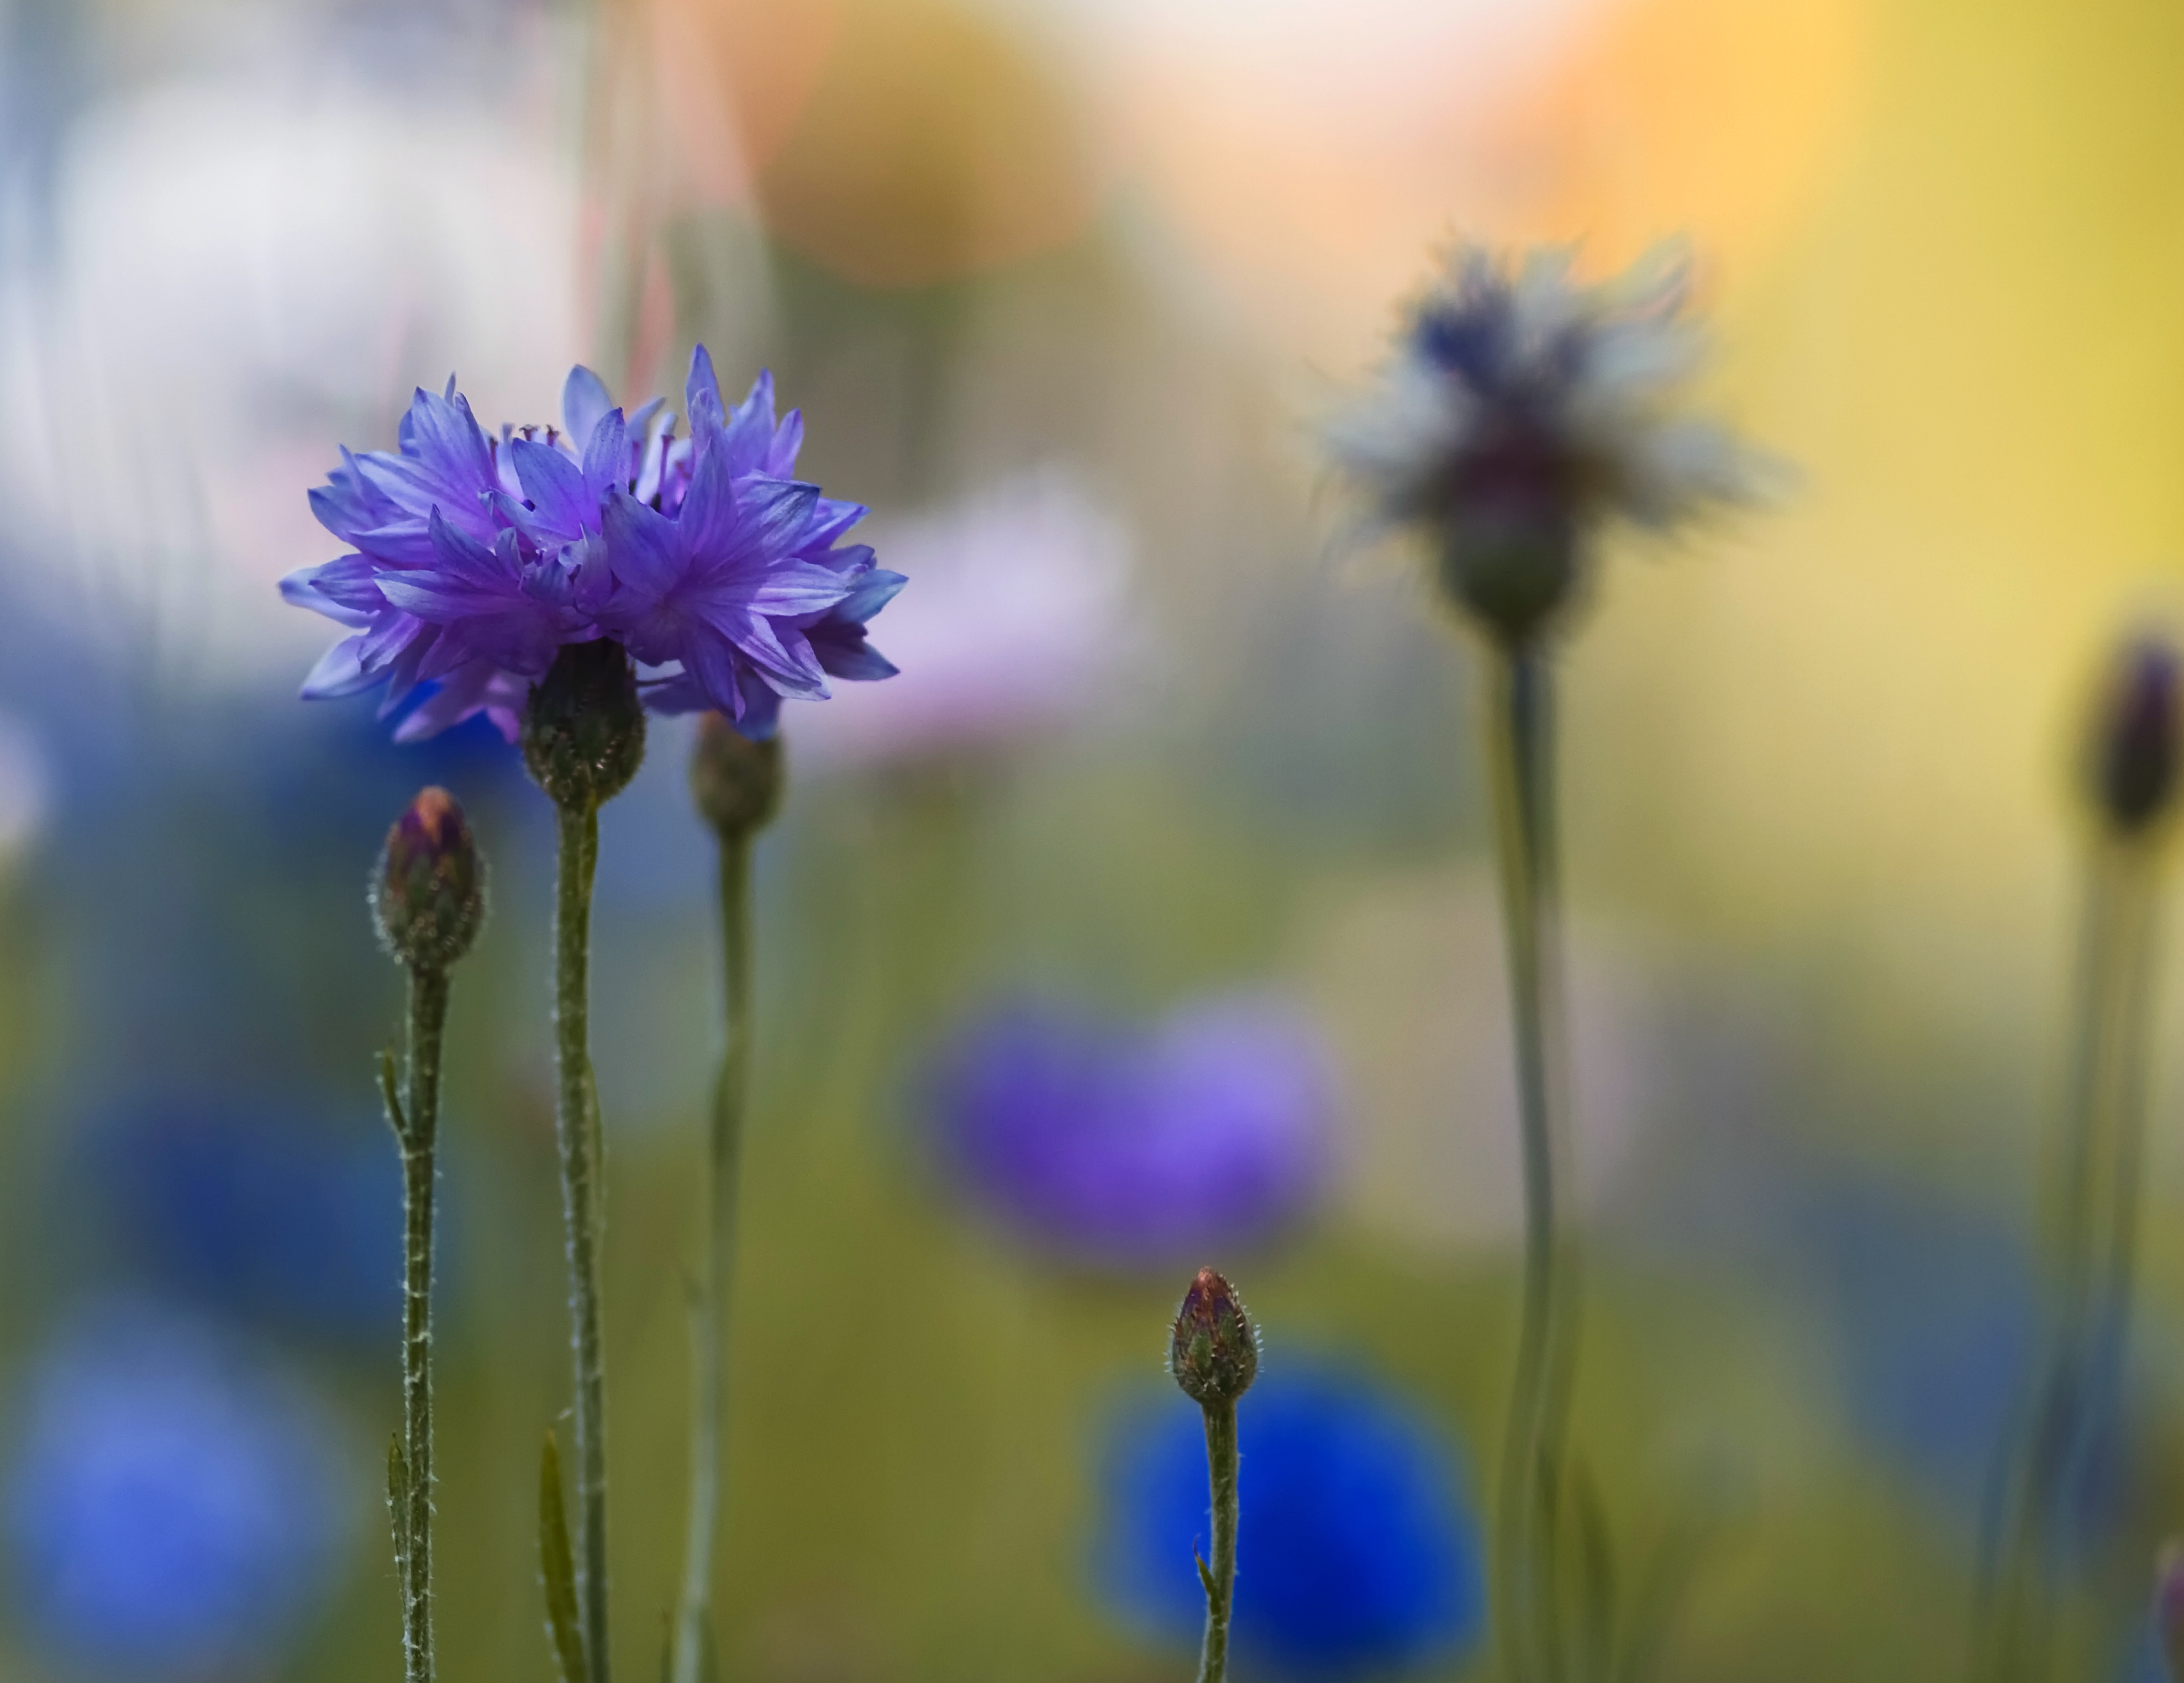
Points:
x=701, y=392
x=584, y=400
x=644, y=550
x=339, y=672
x=606, y=462
x=872, y=591
x=850, y=656
x=555, y=487
x=747, y=435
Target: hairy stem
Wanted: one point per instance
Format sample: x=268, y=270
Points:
x=576, y=1121
x=1532, y=1443
x=1220, y=1578
x=709, y=1390
x=428, y=1020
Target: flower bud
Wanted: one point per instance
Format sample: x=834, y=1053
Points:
x=2136, y=745
x=1511, y=549
x=428, y=893
x=1214, y=1354
x=583, y=732
x=2169, y=1607
x=735, y=781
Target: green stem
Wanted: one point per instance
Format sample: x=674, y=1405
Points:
x=1532, y=1444
x=2095, y=1244
x=708, y=1399
x=576, y=1121
x=1219, y=1579
x=427, y=1020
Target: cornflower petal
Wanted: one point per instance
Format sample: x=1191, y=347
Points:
x=555, y=487
x=645, y=546
x=340, y=672
x=584, y=402
x=606, y=462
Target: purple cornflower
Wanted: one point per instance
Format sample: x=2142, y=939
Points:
x=476, y=559
x=1122, y=1146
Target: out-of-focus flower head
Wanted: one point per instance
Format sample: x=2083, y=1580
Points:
x=2169, y=1607
x=476, y=559
x=264, y=1214
x=1018, y=619
x=1357, y=1552
x=172, y=1509
x=1523, y=409
x=1120, y=1146
x=1935, y=1309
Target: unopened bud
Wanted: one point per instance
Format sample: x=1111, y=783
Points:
x=428, y=893
x=2169, y=1607
x=583, y=732
x=735, y=781
x=1215, y=1353
x=2136, y=747
x=1511, y=546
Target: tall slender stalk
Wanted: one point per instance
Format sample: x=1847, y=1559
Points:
x=2094, y=1245
x=428, y=900
x=1220, y=1578
x=1213, y=1352
x=709, y=1307
x=576, y=1124
x=1521, y=728
x=427, y=1020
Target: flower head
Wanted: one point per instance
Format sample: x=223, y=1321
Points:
x=1521, y=410
x=1120, y=1146
x=1357, y=1555
x=475, y=560
x=733, y=574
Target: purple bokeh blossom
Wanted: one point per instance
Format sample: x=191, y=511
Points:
x=1118, y=1146
x=474, y=559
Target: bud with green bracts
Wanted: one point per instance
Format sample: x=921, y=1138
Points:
x=1214, y=1354
x=735, y=781
x=428, y=891
x=583, y=732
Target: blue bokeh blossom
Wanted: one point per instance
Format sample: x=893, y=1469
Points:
x=257, y=1212
x=173, y=1509
x=1116, y=1145
x=1358, y=1553
x=474, y=559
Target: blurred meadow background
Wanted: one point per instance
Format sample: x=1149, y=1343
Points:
x=1147, y=918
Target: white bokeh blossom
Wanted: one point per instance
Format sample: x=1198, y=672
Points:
x=1523, y=410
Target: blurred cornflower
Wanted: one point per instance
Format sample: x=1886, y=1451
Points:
x=1120, y=1146
x=476, y=559
x=1018, y=619
x=1358, y=1554
x=1934, y=1309
x=252, y=1212
x=173, y=1510
x=1523, y=409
